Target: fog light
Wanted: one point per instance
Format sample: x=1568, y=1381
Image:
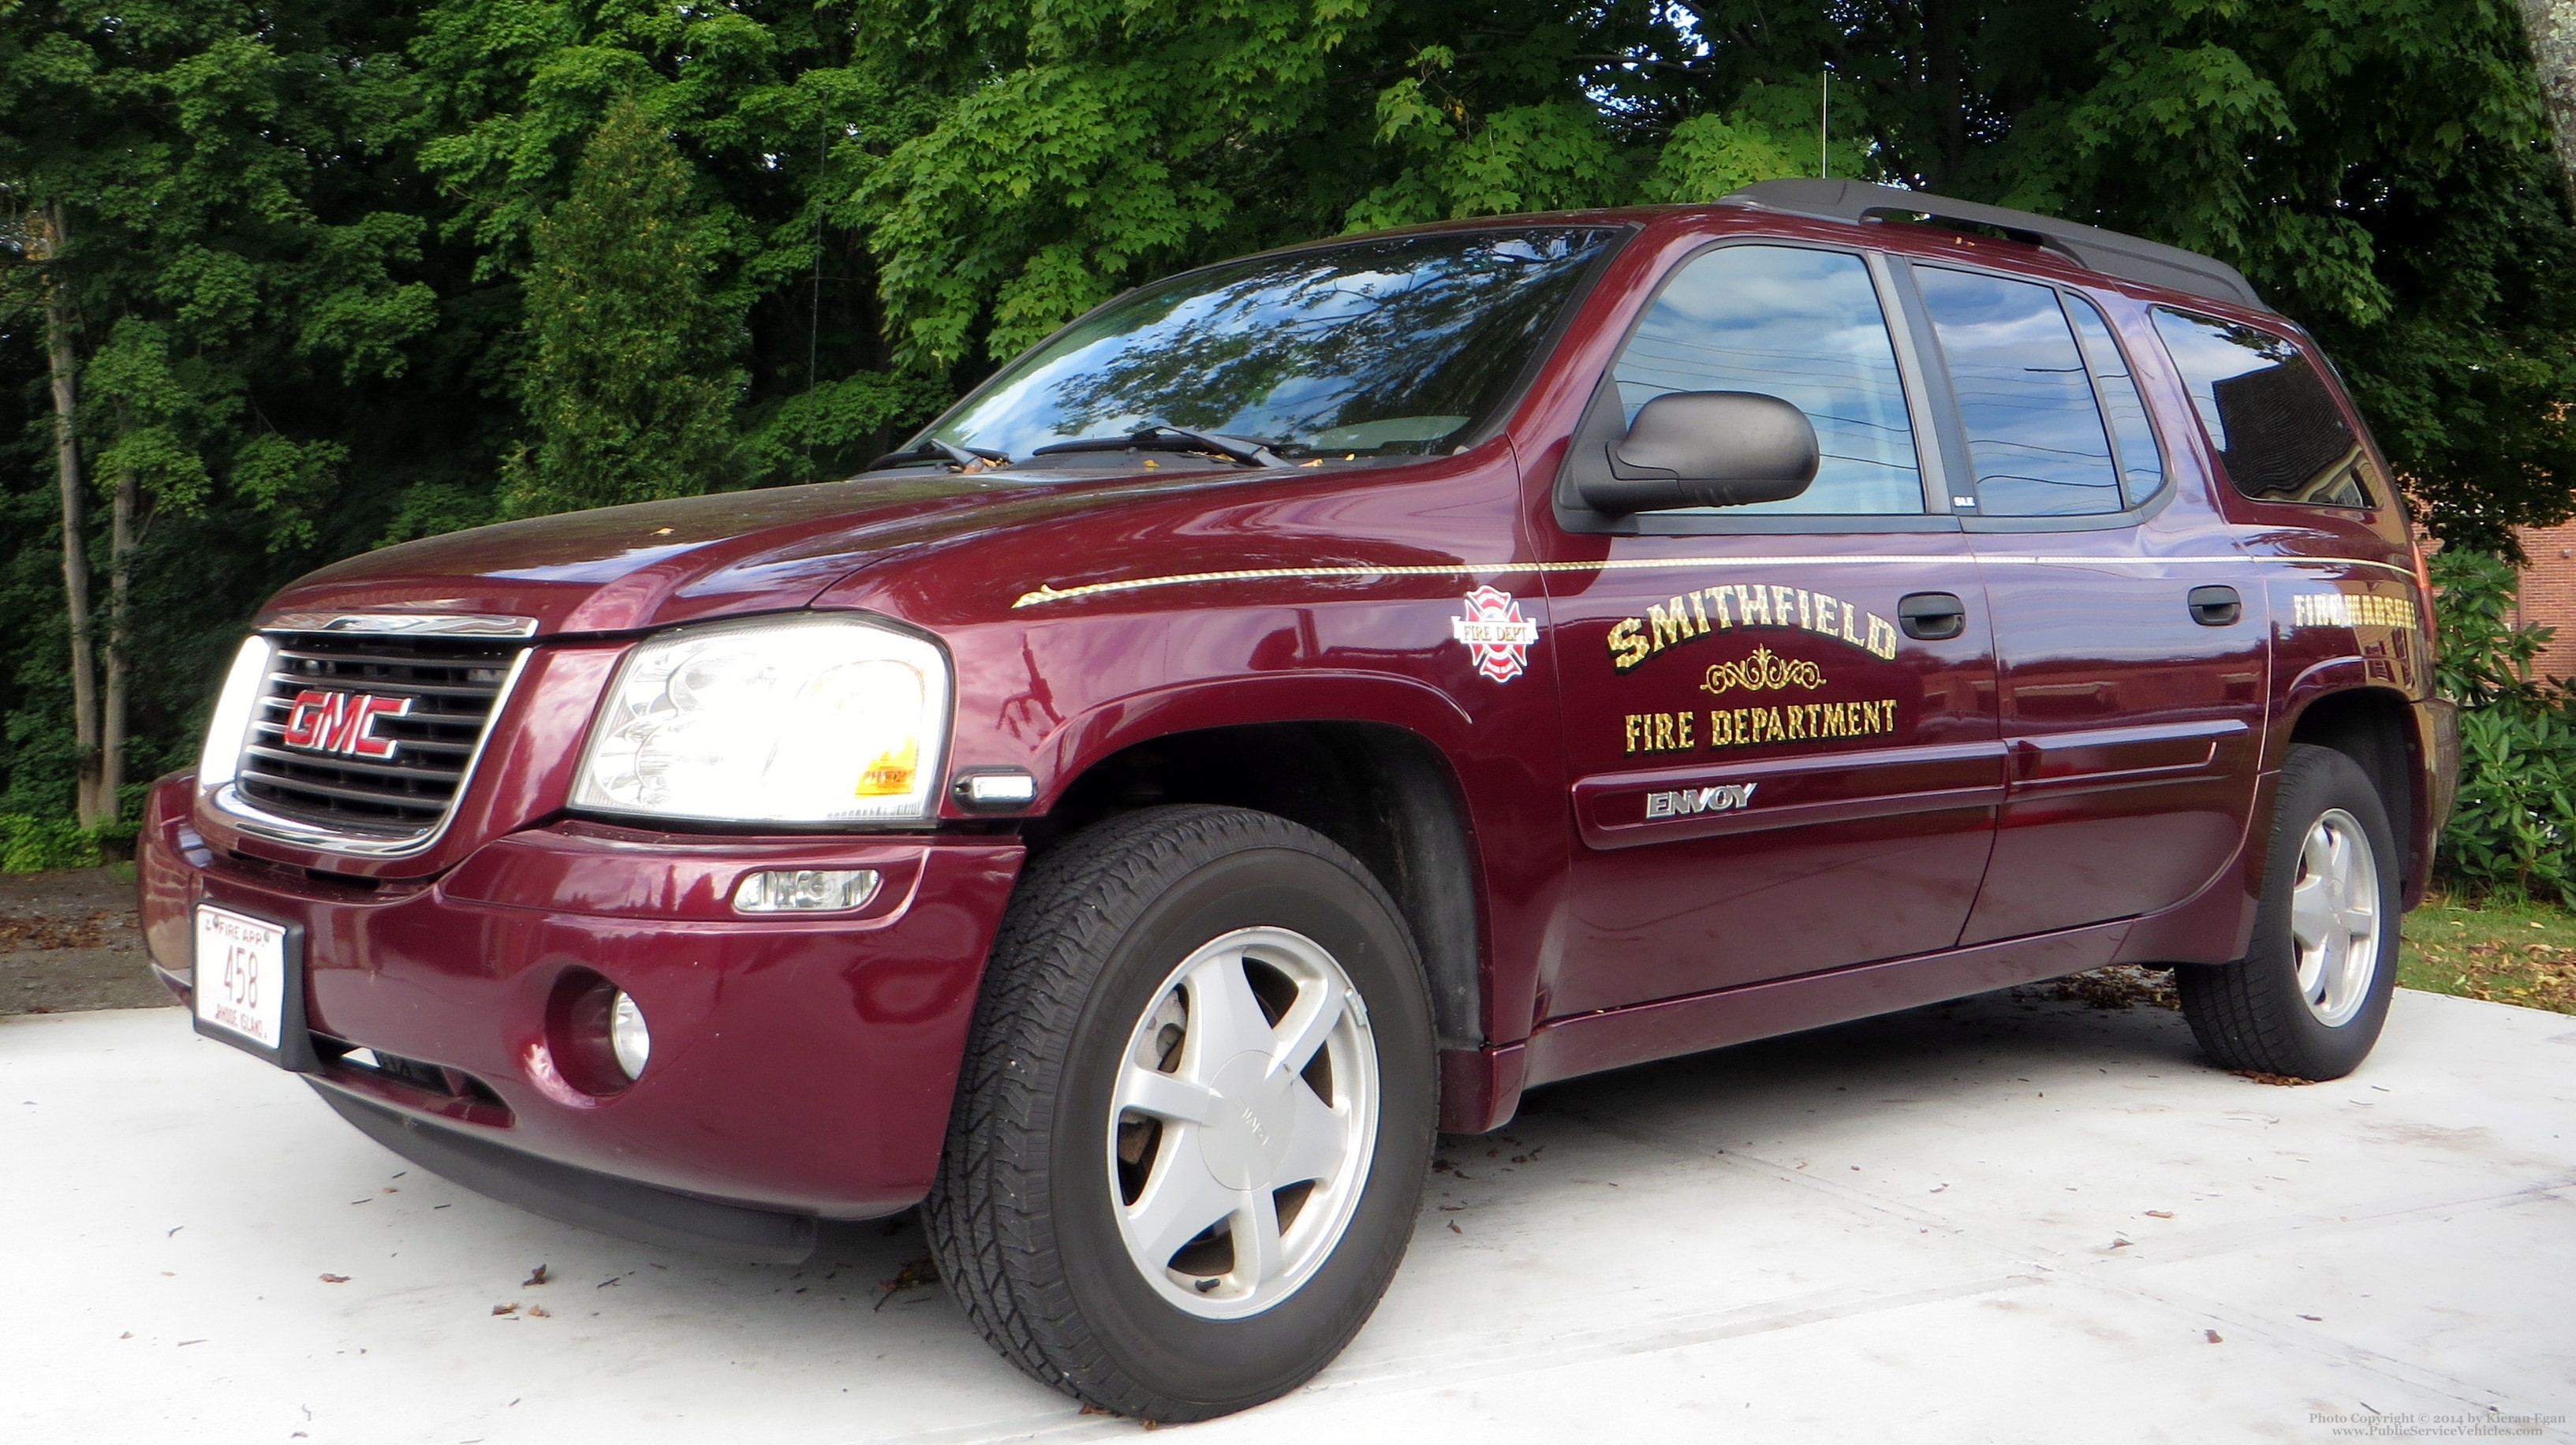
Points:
x=627, y=1036
x=805, y=890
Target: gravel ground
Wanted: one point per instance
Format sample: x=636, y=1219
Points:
x=68, y=942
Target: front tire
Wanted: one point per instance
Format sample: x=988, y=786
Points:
x=2309, y=997
x=1195, y=1118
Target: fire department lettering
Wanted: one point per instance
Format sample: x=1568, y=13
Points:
x=342, y=722
x=1737, y=727
x=1700, y=800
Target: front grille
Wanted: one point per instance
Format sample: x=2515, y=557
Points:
x=446, y=688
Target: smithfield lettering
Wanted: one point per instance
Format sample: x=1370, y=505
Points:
x=1693, y=615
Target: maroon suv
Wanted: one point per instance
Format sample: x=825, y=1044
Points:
x=1308, y=701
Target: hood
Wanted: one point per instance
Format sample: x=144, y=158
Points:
x=653, y=564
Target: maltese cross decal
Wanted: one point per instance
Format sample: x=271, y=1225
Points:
x=1498, y=638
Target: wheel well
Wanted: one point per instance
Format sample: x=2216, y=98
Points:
x=1382, y=792
x=2370, y=727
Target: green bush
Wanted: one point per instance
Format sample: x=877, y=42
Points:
x=29, y=845
x=2515, y=823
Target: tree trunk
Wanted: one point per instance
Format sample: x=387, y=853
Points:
x=1949, y=89
x=120, y=579
x=2551, y=26
x=63, y=359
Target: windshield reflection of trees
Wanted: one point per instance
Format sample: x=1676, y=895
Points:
x=1435, y=327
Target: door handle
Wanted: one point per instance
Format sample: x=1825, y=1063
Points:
x=1931, y=616
x=2216, y=606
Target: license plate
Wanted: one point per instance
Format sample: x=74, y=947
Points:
x=244, y=986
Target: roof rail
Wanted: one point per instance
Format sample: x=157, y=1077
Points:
x=2095, y=249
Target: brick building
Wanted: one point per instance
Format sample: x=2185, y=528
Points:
x=2549, y=595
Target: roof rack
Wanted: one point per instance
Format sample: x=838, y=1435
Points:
x=2095, y=249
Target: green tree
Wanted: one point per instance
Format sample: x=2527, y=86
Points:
x=632, y=381
x=204, y=210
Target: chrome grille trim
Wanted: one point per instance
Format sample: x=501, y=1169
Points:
x=408, y=624
x=252, y=816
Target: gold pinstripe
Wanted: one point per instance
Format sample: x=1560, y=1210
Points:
x=1053, y=593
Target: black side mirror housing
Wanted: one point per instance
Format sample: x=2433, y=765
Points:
x=1705, y=449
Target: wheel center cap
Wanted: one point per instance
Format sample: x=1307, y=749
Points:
x=1246, y=1140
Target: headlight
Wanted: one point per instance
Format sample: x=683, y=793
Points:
x=235, y=709
x=809, y=720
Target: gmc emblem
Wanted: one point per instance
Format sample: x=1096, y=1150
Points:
x=342, y=722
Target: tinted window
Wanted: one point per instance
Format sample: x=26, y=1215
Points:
x=2035, y=436
x=2142, y=467
x=1800, y=325
x=2274, y=423
x=1393, y=346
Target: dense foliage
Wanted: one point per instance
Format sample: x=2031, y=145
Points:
x=2514, y=828
x=328, y=275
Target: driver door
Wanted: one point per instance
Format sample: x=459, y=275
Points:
x=1782, y=757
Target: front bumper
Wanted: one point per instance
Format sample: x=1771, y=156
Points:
x=800, y=1066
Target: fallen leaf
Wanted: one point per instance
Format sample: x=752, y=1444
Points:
x=1454, y=1229
x=915, y=1274
x=509, y=1309
x=2160, y=1214
x=129, y=1334
x=2120, y=1244
x=335, y=1279
x=540, y=1312
x=2318, y=1318
x=2214, y=1337
x=535, y=1277
x=185, y=1343
x=2282, y=1081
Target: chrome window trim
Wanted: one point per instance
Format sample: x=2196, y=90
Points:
x=404, y=624
x=251, y=818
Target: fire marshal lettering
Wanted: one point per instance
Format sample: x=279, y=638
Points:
x=2350, y=609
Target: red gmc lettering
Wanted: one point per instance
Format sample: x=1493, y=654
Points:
x=341, y=722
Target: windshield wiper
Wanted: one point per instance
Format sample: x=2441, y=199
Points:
x=1164, y=437
x=933, y=449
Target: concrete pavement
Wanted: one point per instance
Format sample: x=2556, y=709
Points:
x=2008, y=1219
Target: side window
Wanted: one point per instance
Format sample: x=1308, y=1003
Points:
x=2142, y=466
x=2269, y=415
x=1801, y=325
x=2036, y=442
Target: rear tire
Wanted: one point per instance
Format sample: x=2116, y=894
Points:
x=1185, y=1007
x=2308, y=999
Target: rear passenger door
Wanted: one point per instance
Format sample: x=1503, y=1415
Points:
x=2129, y=639
x=1768, y=775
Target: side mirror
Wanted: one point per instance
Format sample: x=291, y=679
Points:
x=1706, y=449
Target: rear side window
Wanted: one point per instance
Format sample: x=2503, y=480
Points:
x=2270, y=416
x=2142, y=465
x=1801, y=325
x=2036, y=441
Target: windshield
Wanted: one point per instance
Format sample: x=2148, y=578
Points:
x=1401, y=345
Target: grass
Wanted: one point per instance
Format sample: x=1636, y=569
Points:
x=2501, y=949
